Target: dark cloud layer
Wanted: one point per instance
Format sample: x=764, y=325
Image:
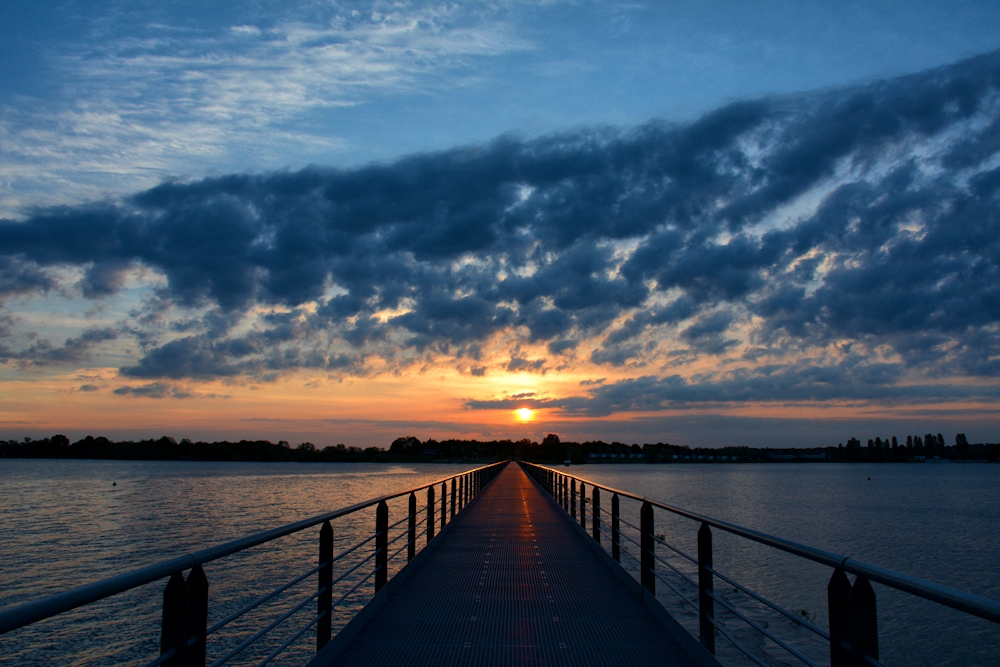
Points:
x=605, y=235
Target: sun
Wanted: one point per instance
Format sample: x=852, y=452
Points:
x=525, y=414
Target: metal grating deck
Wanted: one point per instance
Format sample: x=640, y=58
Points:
x=513, y=583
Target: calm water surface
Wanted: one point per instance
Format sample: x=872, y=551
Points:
x=62, y=524
x=937, y=521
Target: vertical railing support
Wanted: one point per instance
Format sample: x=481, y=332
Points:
x=583, y=506
x=864, y=621
x=444, y=504
x=647, y=562
x=706, y=587
x=411, y=529
x=197, y=585
x=616, y=535
x=430, y=513
x=572, y=498
x=595, y=514
x=381, y=545
x=838, y=596
x=173, y=629
x=324, y=602
x=454, y=491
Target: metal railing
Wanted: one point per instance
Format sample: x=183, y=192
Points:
x=184, y=630
x=853, y=620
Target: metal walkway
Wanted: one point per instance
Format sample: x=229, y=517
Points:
x=512, y=581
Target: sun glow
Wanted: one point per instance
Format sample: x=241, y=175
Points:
x=524, y=414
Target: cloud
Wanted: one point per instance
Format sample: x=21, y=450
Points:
x=162, y=390
x=833, y=245
x=74, y=350
x=153, y=100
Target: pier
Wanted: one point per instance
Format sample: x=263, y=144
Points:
x=514, y=582
x=505, y=564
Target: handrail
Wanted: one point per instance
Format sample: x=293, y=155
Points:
x=970, y=603
x=37, y=610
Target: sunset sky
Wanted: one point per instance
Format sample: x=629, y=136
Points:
x=685, y=222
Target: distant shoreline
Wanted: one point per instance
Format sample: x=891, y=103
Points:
x=551, y=450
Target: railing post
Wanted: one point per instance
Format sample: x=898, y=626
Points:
x=864, y=621
x=838, y=596
x=595, y=514
x=572, y=498
x=197, y=585
x=454, y=486
x=706, y=587
x=411, y=536
x=381, y=545
x=647, y=564
x=444, y=504
x=325, y=600
x=616, y=536
x=430, y=513
x=583, y=506
x=173, y=629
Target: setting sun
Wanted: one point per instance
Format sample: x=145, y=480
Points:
x=524, y=414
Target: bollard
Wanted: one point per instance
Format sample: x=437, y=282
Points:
x=381, y=545
x=706, y=586
x=411, y=536
x=324, y=603
x=838, y=596
x=430, y=513
x=616, y=536
x=864, y=621
x=646, y=561
x=595, y=514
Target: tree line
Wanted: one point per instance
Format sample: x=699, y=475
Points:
x=550, y=450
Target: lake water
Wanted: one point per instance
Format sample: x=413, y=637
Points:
x=63, y=524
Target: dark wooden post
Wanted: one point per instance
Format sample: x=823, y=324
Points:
x=430, y=513
x=595, y=514
x=616, y=535
x=838, y=596
x=444, y=504
x=572, y=498
x=197, y=585
x=411, y=537
x=454, y=496
x=646, y=561
x=583, y=506
x=173, y=629
x=706, y=586
x=325, y=600
x=381, y=545
x=864, y=621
